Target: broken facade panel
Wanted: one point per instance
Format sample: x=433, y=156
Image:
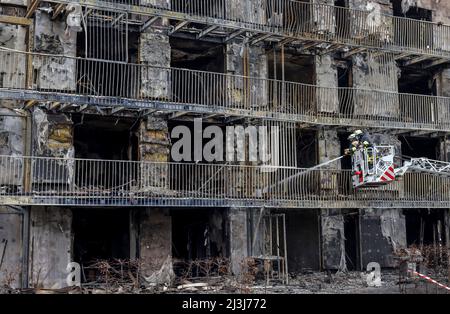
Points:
x=12, y=139
x=382, y=233
x=56, y=38
x=12, y=70
x=11, y=246
x=53, y=135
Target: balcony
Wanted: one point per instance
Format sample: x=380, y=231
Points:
x=288, y=20
x=89, y=182
x=79, y=82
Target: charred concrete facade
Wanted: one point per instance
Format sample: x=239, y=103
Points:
x=91, y=91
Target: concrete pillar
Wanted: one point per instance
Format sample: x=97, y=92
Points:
x=161, y=4
x=154, y=141
x=154, y=147
x=326, y=76
x=155, y=245
x=329, y=148
x=444, y=153
x=246, y=11
x=50, y=246
x=332, y=221
x=372, y=77
x=11, y=247
x=52, y=37
x=245, y=60
x=238, y=237
x=333, y=239
x=154, y=50
x=375, y=23
x=324, y=16
x=443, y=105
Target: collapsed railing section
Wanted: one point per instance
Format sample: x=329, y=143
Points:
x=367, y=27
x=68, y=181
x=113, y=83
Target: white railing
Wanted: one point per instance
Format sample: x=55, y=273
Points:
x=90, y=182
x=297, y=19
x=112, y=83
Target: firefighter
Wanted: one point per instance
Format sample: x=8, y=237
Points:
x=351, y=137
x=358, y=134
x=354, y=143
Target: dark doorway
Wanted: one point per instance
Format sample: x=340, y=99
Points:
x=416, y=81
x=406, y=32
x=190, y=84
x=197, y=55
x=100, y=234
x=114, y=76
x=302, y=239
x=345, y=93
x=343, y=18
x=306, y=148
x=416, y=147
x=413, y=12
x=425, y=226
x=351, y=232
x=413, y=82
x=110, y=138
x=346, y=162
x=198, y=240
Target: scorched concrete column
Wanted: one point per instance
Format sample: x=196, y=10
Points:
x=238, y=237
x=50, y=246
x=154, y=53
x=155, y=245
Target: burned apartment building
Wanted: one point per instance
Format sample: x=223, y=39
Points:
x=93, y=95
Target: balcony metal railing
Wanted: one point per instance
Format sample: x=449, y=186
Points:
x=80, y=182
x=300, y=20
x=112, y=83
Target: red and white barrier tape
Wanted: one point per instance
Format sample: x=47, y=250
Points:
x=430, y=279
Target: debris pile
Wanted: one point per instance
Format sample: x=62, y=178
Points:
x=332, y=283
x=430, y=260
x=210, y=267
